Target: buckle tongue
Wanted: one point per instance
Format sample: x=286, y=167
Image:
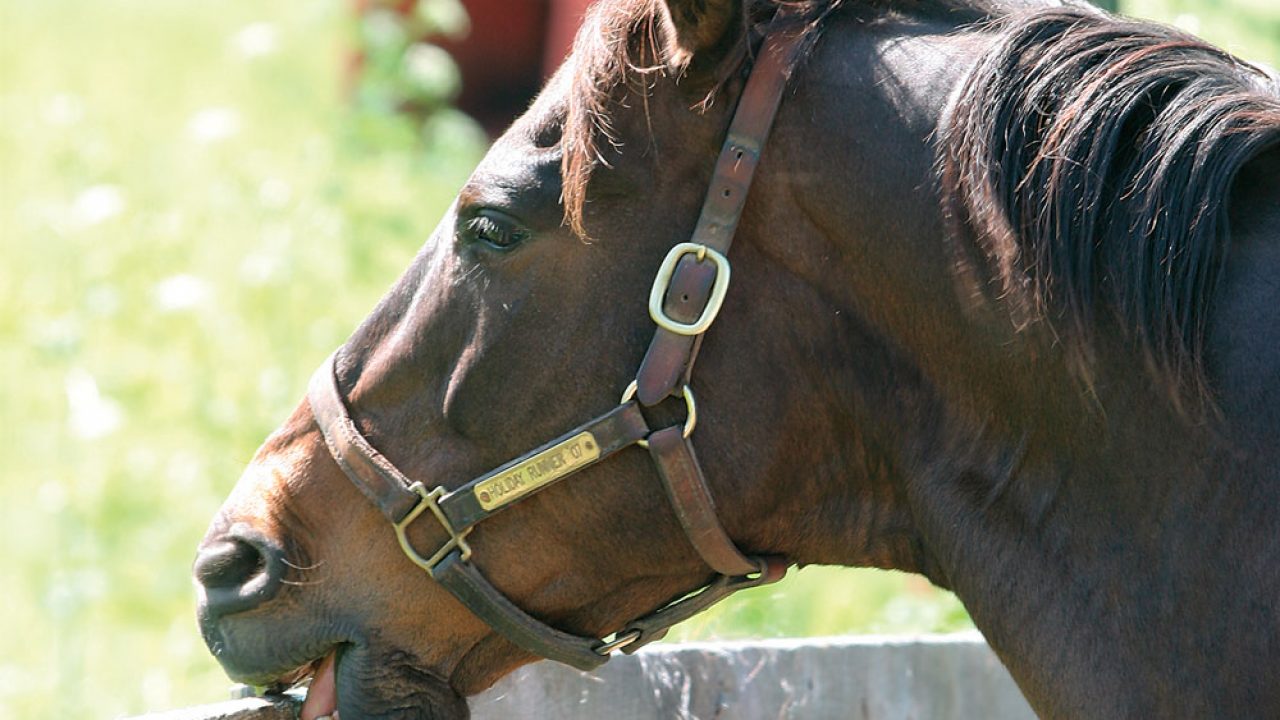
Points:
x=619, y=641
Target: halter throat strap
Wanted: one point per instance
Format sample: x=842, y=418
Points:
x=685, y=299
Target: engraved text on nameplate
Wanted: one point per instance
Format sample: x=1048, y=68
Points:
x=547, y=466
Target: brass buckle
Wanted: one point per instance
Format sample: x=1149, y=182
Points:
x=662, y=283
x=430, y=501
x=690, y=406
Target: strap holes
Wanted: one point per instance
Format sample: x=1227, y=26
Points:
x=684, y=298
x=726, y=192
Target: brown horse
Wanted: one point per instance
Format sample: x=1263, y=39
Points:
x=1003, y=312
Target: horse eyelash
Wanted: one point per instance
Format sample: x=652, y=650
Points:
x=482, y=225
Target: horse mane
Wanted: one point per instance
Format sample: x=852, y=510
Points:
x=1090, y=158
x=622, y=40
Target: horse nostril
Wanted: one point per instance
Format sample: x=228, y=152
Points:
x=230, y=562
x=238, y=571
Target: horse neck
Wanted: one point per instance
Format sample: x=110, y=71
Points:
x=1121, y=560
x=1127, y=571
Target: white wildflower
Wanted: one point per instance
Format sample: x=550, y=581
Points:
x=180, y=292
x=213, y=124
x=92, y=415
x=255, y=40
x=96, y=204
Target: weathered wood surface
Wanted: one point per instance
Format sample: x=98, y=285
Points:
x=950, y=677
x=279, y=707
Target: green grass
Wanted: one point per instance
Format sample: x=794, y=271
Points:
x=186, y=229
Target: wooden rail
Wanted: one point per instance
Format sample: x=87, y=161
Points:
x=947, y=677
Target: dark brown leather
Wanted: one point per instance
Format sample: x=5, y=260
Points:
x=654, y=626
x=376, y=477
x=619, y=428
x=388, y=488
x=668, y=355
x=687, y=489
x=482, y=598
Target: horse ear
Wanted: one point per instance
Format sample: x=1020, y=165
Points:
x=701, y=26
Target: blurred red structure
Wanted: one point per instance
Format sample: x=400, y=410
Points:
x=512, y=47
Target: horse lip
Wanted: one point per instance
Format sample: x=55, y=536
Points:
x=299, y=677
x=278, y=676
x=376, y=682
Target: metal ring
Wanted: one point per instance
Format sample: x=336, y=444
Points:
x=691, y=409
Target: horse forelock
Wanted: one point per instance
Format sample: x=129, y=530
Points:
x=622, y=40
x=1091, y=159
x=603, y=52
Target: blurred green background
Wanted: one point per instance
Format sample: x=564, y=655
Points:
x=191, y=217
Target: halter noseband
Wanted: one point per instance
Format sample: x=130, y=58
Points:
x=687, y=293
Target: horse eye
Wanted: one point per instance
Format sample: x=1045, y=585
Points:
x=495, y=229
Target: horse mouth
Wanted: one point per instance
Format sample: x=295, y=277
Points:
x=332, y=690
x=317, y=678
x=300, y=677
x=320, y=676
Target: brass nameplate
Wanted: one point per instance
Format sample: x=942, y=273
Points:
x=546, y=467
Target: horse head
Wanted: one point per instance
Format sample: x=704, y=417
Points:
x=909, y=369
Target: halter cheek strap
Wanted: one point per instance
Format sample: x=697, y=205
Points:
x=686, y=297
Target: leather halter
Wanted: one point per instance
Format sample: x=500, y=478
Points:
x=686, y=297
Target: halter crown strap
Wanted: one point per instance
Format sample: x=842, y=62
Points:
x=686, y=297
x=671, y=353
